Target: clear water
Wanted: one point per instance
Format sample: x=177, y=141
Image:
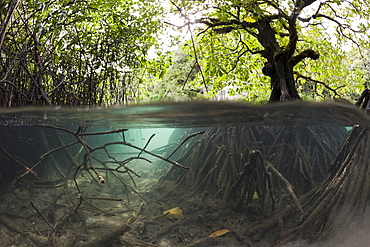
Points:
x=33, y=185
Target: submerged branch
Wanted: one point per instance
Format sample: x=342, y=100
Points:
x=187, y=138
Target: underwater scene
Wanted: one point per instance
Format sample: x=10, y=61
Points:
x=185, y=174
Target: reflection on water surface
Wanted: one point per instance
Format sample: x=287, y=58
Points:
x=197, y=114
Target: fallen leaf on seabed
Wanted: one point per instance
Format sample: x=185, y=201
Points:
x=174, y=213
x=219, y=233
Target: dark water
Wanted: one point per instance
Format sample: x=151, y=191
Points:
x=154, y=127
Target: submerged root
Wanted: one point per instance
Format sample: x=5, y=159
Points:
x=242, y=167
x=345, y=192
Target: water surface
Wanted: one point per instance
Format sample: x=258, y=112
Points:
x=188, y=114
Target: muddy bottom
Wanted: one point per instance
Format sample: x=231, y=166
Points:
x=107, y=215
x=112, y=214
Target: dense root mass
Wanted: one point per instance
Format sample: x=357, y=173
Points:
x=344, y=196
x=217, y=161
x=260, y=184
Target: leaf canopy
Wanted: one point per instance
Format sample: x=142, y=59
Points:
x=233, y=49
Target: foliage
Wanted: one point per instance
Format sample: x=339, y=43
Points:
x=224, y=64
x=75, y=52
x=96, y=53
x=233, y=47
x=334, y=75
x=173, y=80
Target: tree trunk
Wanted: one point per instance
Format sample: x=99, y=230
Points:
x=282, y=80
x=344, y=197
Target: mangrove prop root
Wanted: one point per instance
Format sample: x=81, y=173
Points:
x=257, y=175
x=344, y=189
x=288, y=187
x=187, y=138
x=255, y=178
x=303, y=154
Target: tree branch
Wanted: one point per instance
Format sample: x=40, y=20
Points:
x=16, y=88
x=308, y=53
x=9, y=15
x=319, y=82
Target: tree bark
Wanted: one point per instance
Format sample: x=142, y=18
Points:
x=344, y=196
x=282, y=80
